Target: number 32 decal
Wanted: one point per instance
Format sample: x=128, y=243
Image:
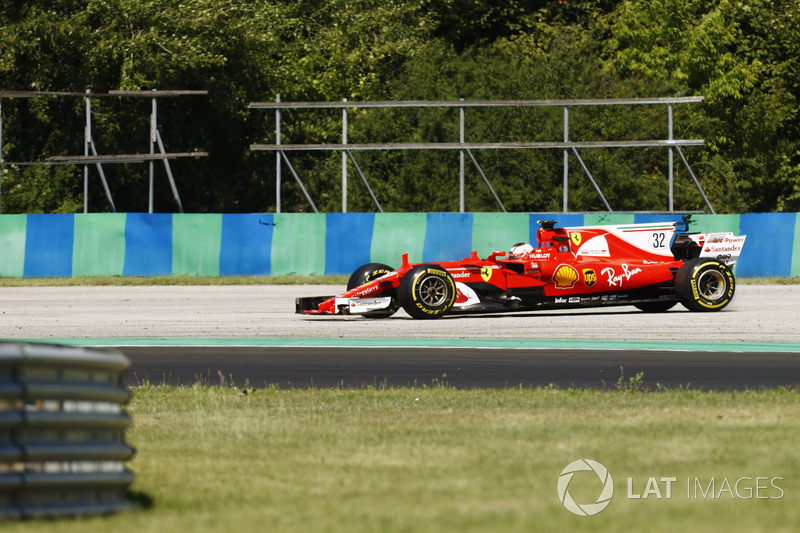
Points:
x=658, y=240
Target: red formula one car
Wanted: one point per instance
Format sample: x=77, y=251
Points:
x=649, y=266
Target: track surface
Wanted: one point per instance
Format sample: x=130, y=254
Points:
x=761, y=318
x=757, y=314
x=462, y=368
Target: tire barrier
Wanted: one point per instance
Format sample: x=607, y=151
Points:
x=62, y=426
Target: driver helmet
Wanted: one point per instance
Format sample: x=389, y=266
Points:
x=520, y=249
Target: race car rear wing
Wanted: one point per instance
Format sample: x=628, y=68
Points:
x=724, y=247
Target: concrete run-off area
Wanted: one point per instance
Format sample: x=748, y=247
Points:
x=758, y=313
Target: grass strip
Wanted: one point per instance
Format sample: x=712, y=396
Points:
x=439, y=459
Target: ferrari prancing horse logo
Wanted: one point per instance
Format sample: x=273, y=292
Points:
x=576, y=238
x=486, y=273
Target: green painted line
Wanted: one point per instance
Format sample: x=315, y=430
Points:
x=505, y=344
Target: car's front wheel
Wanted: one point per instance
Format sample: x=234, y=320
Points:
x=427, y=291
x=367, y=273
x=704, y=284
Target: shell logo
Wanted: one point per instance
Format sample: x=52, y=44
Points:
x=565, y=277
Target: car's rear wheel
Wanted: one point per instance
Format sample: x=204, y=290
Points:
x=427, y=291
x=704, y=284
x=367, y=273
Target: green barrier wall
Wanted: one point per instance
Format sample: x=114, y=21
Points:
x=140, y=244
x=298, y=244
x=795, y=268
x=395, y=234
x=12, y=245
x=196, y=243
x=99, y=247
x=499, y=231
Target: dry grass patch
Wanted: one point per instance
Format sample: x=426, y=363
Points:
x=441, y=459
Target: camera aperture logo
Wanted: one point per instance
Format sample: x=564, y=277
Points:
x=585, y=509
x=746, y=487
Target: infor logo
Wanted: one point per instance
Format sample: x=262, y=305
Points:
x=585, y=509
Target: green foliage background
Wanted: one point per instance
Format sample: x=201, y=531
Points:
x=741, y=55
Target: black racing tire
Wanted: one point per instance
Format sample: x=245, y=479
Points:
x=369, y=272
x=427, y=291
x=366, y=273
x=704, y=284
x=655, y=307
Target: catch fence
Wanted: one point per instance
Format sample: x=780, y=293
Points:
x=466, y=148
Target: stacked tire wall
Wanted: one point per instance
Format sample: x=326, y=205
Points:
x=62, y=431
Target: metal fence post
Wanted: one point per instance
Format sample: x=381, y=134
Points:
x=278, y=155
x=671, y=152
x=91, y=148
x=87, y=138
x=155, y=139
x=153, y=127
x=344, y=158
x=566, y=159
x=462, y=139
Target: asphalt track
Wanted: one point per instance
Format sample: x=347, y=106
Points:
x=250, y=336
x=458, y=367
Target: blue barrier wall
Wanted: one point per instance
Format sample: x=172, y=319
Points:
x=139, y=244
